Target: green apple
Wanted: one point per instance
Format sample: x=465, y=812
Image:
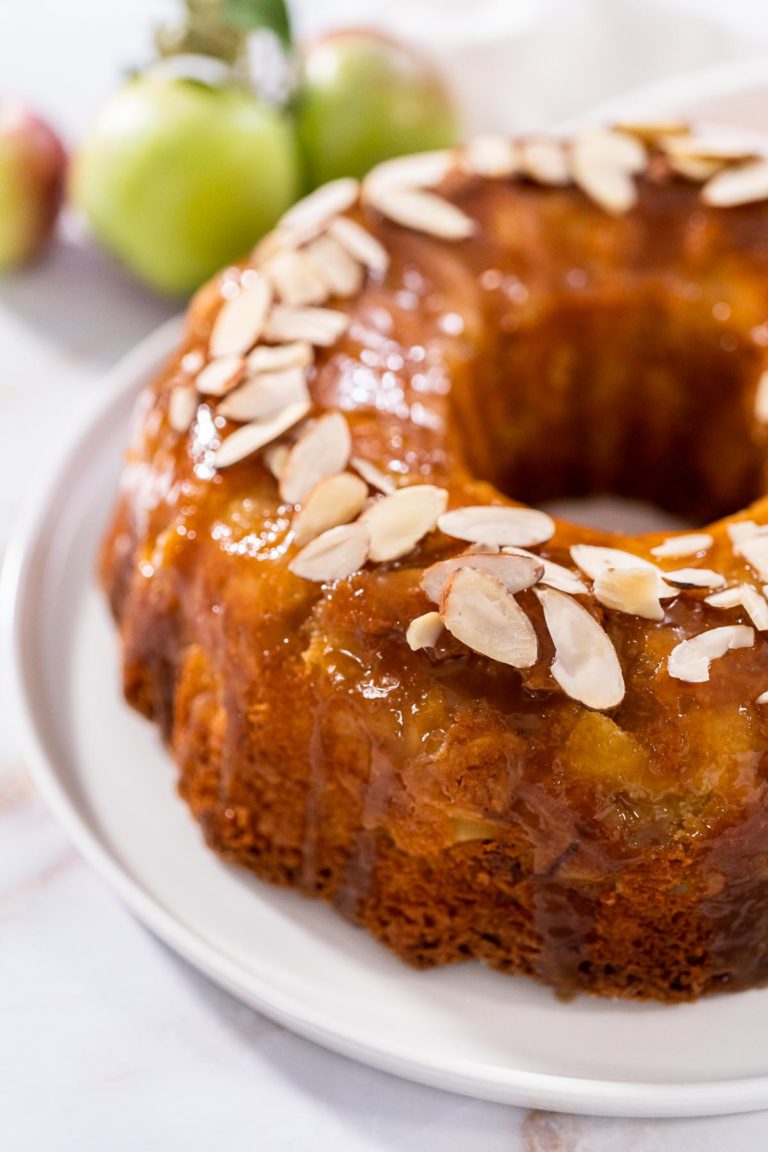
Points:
x=32, y=167
x=364, y=98
x=180, y=177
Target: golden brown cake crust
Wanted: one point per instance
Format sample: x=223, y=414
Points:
x=455, y=806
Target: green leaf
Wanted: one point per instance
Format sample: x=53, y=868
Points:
x=254, y=14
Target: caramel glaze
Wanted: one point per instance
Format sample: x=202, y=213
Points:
x=455, y=807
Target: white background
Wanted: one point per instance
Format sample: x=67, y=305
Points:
x=108, y=1043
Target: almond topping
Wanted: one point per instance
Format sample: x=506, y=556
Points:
x=555, y=575
x=734, y=186
x=695, y=578
x=424, y=212
x=276, y=357
x=420, y=170
x=265, y=393
x=182, y=407
x=498, y=524
x=687, y=545
x=240, y=321
x=295, y=279
x=319, y=326
x=690, y=659
x=251, y=437
x=743, y=596
x=545, y=161
x=219, y=376
x=603, y=164
x=336, y=555
x=490, y=156
x=514, y=572
x=323, y=450
x=321, y=206
x=341, y=274
x=631, y=590
x=744, y=530
x=754, y=549
x=586, y=665
x=275, y=456
x=333, y=501
x=360, y=244
x=650, y=131
x=594, y=561
x=373, y=475
x=760, y=408
x=694, y=168
x=424, y=631
x=398, y=522
x=729, y=145
x=481, y=613
x=762, y=698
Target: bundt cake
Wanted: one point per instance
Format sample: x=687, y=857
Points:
x=476, y=730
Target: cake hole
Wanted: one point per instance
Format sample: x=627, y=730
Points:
x=649, y=400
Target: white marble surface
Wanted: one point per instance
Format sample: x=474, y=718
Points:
x=107, y=1041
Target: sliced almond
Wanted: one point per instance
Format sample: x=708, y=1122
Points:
x=333, y=501
x=420, y=170
x=294, y=279
x=373, y=475
x=762, y=698
x=690, y=659
x=745, y=184
x=514, y=572
x=182, y=407
x=631, y=590
x=492, y=157
x=545, y=161
x=594, y=561
x=481, y=613
x=192, y=362
x=651, y=131
x=219, y=376
x=729, y=146
x=603, y=164
x=276, y=357
x=240, y=321
x=321, y=206
x=726, y=598
x=319, y=326
x=555, y=575
x=498, y=524
x=740, y=530
x=398, y=522
x=323, y=450
x=340, y=272
x=695, y=578
x=686, y=545
x=360, y=244
x=424, y=631
x=275, y=456
x=252, y=437
x=336, y=555
x=586, y=665
x=756, y=606
x=697, y=169
x=760, y=407
x=424, y=212
x=754, y=549
x=261, y=395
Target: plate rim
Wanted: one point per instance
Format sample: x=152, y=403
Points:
x=549, y=1091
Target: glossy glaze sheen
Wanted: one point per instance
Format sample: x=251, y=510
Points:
x=454, y=807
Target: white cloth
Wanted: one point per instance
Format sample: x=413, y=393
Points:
x=107, y=1041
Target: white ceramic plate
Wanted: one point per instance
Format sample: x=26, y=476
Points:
x=108, y=779
x=110, y=782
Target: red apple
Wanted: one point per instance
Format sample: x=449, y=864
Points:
x=32, y=171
